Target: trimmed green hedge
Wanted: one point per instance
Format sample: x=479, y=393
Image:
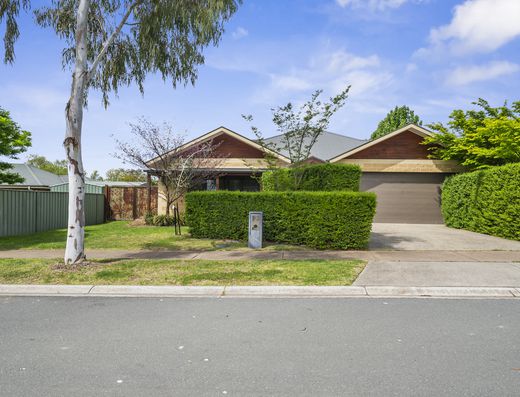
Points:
x=319, y=177
x=336, y=220
x=486, y=201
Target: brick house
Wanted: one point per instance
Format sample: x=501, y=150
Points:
x=396, y=167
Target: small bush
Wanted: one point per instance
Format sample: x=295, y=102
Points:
x=486, y=201
x=160, y=220
x=317, y=177
x=336, y=220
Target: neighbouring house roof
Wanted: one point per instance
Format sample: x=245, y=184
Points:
x=328, y=144
x=420, y=131
x=115, y=183
x=36, y=177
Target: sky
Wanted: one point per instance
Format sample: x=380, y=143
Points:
x=431, y=55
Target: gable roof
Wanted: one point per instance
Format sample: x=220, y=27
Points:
x=36, y=177
x=416, y=129
x=220, y=131
x=328, y=144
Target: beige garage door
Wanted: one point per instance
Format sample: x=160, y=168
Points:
x=405, y=197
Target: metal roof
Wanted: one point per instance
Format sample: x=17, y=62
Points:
x=36, y=177
x=328, y=145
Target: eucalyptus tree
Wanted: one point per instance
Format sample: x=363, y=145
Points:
x=114, y=43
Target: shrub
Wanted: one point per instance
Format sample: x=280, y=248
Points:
x=160, y=220
x=337, y=220
x=486, y=201
x=317, y=177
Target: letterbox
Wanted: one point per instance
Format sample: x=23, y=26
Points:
x=256, y=220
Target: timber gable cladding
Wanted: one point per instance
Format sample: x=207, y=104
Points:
x=399, y=151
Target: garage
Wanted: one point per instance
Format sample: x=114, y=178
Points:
x=405, y=197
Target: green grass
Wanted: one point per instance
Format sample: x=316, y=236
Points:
x=182, y=272
x=118, y=235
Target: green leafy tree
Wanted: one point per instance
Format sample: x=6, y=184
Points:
x=300, y=128
x=58, y=167
x=95, y=176
x=479, y=138
x=13, y=141
x=114, y=43
x=125, y=175
x=397, y=118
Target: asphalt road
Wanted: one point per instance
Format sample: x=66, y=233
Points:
x=258, y=347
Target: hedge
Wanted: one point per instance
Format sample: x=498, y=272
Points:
x=486, y=201
x=335, y=220
x=318, y=177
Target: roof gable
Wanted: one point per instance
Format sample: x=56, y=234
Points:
x=369, y=146
x=239, y=144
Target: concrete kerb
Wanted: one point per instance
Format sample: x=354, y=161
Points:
x=259, y=291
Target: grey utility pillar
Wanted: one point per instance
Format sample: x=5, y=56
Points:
x=256, y=229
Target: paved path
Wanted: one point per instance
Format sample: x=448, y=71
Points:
x=258, y=347
x=378, y=256
x=440, y=274
x=394, y=236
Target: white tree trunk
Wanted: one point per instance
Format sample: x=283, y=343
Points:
x=75, y=250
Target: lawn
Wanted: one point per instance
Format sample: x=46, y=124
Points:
x=182, y=272
x=118, y=235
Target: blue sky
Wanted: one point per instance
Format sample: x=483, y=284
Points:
x=432, y=55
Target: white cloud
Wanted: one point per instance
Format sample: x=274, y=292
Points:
x=470, y=74
x=240, y=33
x=374, y=5
x=477, y=26
x=331, y=71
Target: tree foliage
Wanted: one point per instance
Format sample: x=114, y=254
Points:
x=159, y=149
x=13, y=141
x=95, y=176
x=126, y=175
x=127, y=39
x=58, y=167
x=301, y=127
x=481, y=138
x=397, y=118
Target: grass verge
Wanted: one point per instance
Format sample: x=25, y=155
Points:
x=118, y=235
x=182, y=272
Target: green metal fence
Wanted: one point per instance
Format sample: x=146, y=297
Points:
x=26, y=212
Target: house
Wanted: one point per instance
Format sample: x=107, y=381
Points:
x=396, y=167
x=34, y=178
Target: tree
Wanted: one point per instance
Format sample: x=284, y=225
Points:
x=95, y=176
x=13, y=141
x=113, y=43
x=300, y=128
x=160, y=150
x=478, y=138
x=397, y=118
x=126, y=175
x=58, y=167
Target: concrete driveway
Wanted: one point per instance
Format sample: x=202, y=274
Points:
x=414, y=237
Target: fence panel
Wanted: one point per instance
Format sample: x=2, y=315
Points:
x=127, y=203
x=26, y=212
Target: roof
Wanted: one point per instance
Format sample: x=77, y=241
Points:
x=219, y=131
x=115, y=183
x=109, y=183
x=416, y=129
x=328, y=145
x=36, y=177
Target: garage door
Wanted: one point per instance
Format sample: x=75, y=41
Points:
x=405, y=197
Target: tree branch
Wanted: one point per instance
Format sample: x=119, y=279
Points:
x=111, y=39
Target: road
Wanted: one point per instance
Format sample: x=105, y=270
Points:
x=66, y=346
